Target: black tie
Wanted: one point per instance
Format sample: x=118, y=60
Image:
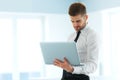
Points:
x=78, y=33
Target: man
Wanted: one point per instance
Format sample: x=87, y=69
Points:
x=87, y=46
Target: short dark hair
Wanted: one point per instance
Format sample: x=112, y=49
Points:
x=77, y=8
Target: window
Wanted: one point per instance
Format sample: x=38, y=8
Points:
x=111, y=42
x=115, y=45
x=6, y=45
x=20, y=36
x=28, y=48
x=106, y=23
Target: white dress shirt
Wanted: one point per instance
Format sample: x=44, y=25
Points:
x=87, y=47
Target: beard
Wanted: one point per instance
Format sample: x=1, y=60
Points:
x=78, y=28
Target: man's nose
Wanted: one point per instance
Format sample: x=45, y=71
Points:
x=75, y=24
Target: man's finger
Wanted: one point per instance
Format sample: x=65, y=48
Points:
x=57, y=60
x=66, y=60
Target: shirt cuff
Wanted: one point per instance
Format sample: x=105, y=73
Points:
x=77, y=69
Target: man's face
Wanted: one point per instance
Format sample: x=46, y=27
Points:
x=78, y=21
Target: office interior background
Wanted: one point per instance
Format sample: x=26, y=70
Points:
x=26, y=23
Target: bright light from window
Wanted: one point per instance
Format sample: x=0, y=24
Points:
x=115, y=31
x=6, y=45
x=28, y=37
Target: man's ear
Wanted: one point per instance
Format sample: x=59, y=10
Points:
x=86, y=17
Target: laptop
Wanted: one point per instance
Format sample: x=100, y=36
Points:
x=59, y=50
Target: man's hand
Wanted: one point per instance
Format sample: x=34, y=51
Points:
x=63, y=64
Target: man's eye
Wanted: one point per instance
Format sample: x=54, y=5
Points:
x=72, y=21
x=79, y=21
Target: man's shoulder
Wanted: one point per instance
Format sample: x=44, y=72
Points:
x=87, y=28
x=90, y=30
